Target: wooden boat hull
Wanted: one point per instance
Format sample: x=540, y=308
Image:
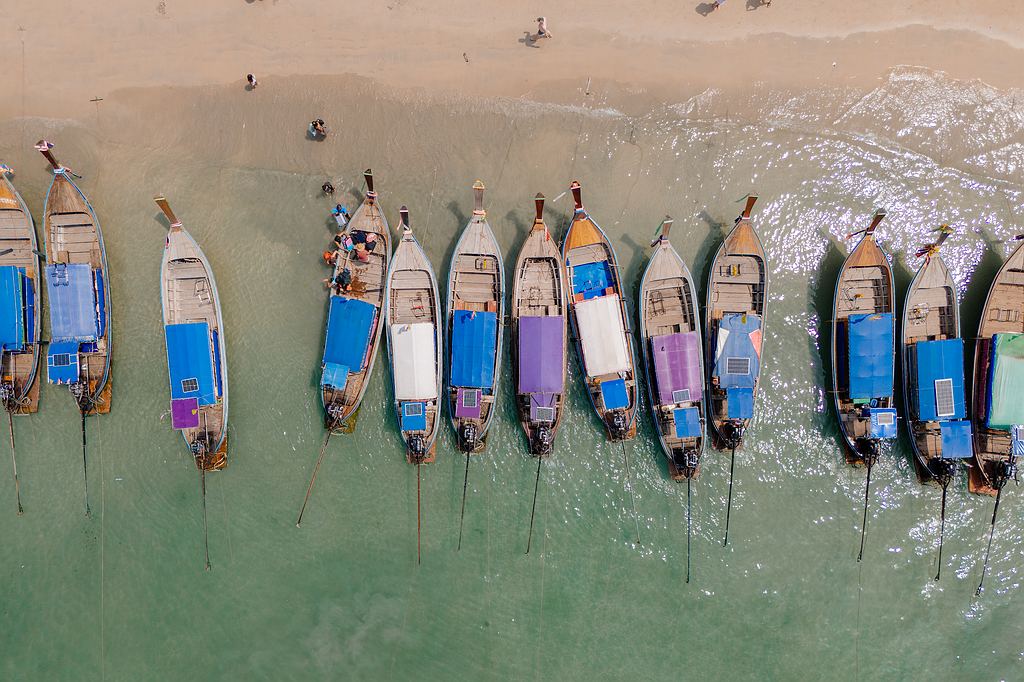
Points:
x=476, y=287
x=1003, y=313
x=738, y=285
x=189, y=297
x=20, y=369
x=538, y=291
x=413, y=299
x=73, y=235
x=586, y=244
x=864, y=286
x=931, y=313
x=670, y=322
x=369, y=284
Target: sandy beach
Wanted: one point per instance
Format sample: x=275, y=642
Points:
x=57, y=60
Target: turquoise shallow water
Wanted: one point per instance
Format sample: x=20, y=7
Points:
x=123, y=595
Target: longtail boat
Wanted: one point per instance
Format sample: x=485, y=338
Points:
x=933, y=374
x=539, y=339
x=78, y=292
x=600, y=323
x=998, y=410
x=863, y=354
x=737, y=303
x=355, y=318
x=475, y=314
x=414, y=349
x=20, y=321
x=197, y=364
x=671, y=345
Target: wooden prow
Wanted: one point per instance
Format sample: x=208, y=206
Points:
x=5, y=170
x=44, y=148
x=878, y=217
x=371, y=196
x=666, y=226
x=538, y=204
x=166, y=208
x=576, y=194
x=404, y=218
x=751, y=200
x=478, y=198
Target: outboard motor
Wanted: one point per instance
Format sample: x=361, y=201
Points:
x=417, y=447
x=867, y=448
x=334, y=411
x=1005, y=470
x=617, y=425
x=542, y=440
x=7, y=395
x=468, y=439
x=687, y=461
x=942, y=469
x=733, y=435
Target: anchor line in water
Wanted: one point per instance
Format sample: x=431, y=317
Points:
x=988, y=549
x=629, y=486
x=418, y=524
x=312, y=481
x=864, y=521
x=942, y=522
x=462, y=515
x=85, y=463
x=728, y=506
x=689, y=479
x=533, y=509
x=206, y=533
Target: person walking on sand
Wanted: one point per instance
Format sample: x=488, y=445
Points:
x=715, y=4
x=252, y=81
x=542, y=28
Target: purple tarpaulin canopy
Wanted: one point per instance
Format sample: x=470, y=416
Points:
x=185, y=413
x=541, y=354
x=677, y=366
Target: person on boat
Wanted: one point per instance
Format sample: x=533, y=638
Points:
x=318, y=128
x=341, y=216
x=252, y=81
x=330, y=257
x=542, y=28
x=327, y=187
x=362, y=255
x=370, y=242
x=345, y=280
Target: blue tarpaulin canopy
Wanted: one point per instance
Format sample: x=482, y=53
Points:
x=62, y=362
x=414, y=417
x=12, y=309
x=940, y=379
x=474, y=337
x=72, y=292
x=736, y=360
x=349, y=326
x=883, y=422
x=687, y=420
x=956, y=439
x=591, y=279
x=335, y=376
x=614, y=395
x=871, y=357
x=190, y=361
x=740, y=403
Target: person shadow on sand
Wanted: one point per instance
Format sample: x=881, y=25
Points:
x=705, y=8
x=530, y=39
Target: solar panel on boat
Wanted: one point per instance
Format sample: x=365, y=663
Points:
x=470, y=398
x=886, y=418
x=189, y=385
x=681, y=396
x=944, y=406
x=737, y=366
x=413, y=409
x=544, y=414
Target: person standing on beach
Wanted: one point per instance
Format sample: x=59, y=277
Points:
x=542, y=28
x=252, y=81
x=715, y=4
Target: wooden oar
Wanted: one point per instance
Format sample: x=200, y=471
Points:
x=728, y=507
x=533, y=509
x=629, y=486
x=14, y=462
x=462, y=516
x=316, y=470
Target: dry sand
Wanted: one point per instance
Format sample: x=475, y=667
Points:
x=61, y=53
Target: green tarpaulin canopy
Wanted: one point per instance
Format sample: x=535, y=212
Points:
x=1006, y=382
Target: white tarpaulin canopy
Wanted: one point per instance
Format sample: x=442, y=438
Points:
x=599, y=323
x=412, y=348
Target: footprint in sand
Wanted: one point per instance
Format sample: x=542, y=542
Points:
x=161, y=8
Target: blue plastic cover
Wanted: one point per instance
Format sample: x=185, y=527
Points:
x=614, y=395
x=12, y=313
x=591, y=279
x=101, y=305
x=956, y=439
x=190, y=361
x=737, y=347
x=940, y=361
x=740, y=403
x=349, y=326
x=414, y=417
x=335, y=376
x=687, y=420
x=72, y=301
x=30, y=307
x=474, y=337
x=883, y=422
x=1017, y=441
x=871, y=357
x=62, y=362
